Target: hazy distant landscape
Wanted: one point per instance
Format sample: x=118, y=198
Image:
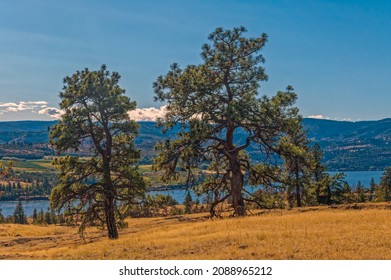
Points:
x=347, y=146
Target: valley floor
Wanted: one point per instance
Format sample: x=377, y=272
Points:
x=343, y=232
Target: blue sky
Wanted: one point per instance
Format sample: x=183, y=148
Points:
x=336, y=54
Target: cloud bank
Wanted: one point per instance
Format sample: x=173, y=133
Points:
x=51, y=112
x=147, y=114
x=31, y=106
x=36, y=108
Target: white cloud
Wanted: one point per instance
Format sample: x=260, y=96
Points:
x=22, y=106
x=35, y=108
x=8, y=104
x=11, y=109
x=34, y=102
x=319, y=117
x=51, y=112
x=147, y=114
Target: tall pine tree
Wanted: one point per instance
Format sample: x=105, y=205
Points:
x=19, y=217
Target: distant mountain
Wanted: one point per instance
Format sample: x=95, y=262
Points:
x=328, y=130
x=24, y=126
x=364, y=145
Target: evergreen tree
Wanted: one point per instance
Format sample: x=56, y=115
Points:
x=188, y=202
x=372, y=189
x=19, y=216
x=332, y=189
x=360, y=192
x=296, y=155
x=347, y=191
x=2, y=219
x=41, y=217
x=100, y=187
x=384, y=191
x=318, y=171
x=210, y=103
x=35, y=215
x=48, y=218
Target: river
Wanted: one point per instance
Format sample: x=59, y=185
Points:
x=352, y=177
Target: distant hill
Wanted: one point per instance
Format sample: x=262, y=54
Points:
x=364, y=145
x=24, y=126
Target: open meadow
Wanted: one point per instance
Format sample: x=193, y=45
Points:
x=361, y=231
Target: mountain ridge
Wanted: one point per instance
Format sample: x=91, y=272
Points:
x=360, y=145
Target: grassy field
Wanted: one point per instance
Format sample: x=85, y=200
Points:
x=29, y=165
x=310, y=233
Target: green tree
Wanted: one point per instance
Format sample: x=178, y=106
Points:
x=48, y=218
x=41, y=217
x=19, y=216
x=35, y=215
x=296, y=155
x=372, y=189
x=211, y=103
x=332, y=189
x=2, y=219
x=188, y=202
x=384, y=190
x=318, y=171
x=96, y=118
x=347, y=191
x=360, y=192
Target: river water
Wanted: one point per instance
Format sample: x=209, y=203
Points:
x=352, y=177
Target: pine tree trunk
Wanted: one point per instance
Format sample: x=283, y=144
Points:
x=328, y=195
x=288, y=197
x=298, y=195
x=297, y=183
x=236, y=191
x=112, y=230
x=317, y=193
x=237, y=176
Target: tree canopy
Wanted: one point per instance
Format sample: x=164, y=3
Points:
x=6, y=169
x=95, y=118
x=213, y=103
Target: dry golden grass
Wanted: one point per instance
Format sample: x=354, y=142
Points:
x=311, y=233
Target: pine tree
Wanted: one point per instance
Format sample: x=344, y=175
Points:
x=99, y=188
x=210, y=103
x=48, y=218
x=296, y=155
x=2, y=219
x=41, y=217
x=188, y=202
x=35, y=215
x=318, y=172
x=19, y=216
x=384, y=190
x=347, y=191
x=372, y=189
x=360, y=192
